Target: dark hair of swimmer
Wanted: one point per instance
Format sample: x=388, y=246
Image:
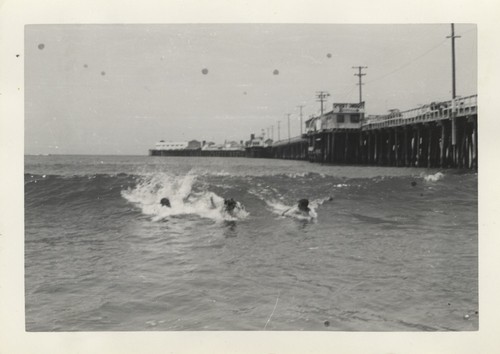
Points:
x=229, y=204
x=165, y=202
x=304, y=205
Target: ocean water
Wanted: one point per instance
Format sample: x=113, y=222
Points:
x=381, y=254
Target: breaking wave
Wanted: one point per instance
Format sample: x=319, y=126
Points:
x=184, y=198
x=434, y=178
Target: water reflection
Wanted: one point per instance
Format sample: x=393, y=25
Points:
x=230, y=228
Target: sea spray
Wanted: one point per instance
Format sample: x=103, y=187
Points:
x=279, y=208
x=433, y=178
x=184, y=198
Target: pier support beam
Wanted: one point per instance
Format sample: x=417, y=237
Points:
x=389, y=147
x=418, y=159
x=429, y=146
x=407, y=146
x=442, y=144
x=475, y=157
x=396, y=147
x=370, y=150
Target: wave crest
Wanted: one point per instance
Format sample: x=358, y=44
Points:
x=434, y=178
x=184, y=198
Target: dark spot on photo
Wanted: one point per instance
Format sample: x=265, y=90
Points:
x=276, y=72
x=329, y=55
x=41, y=46
x=103, y=73
x=327, y=323
x=17, y=55
x=85, y=66
x=204, y=71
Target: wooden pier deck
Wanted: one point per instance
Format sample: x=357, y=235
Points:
x=440, y=134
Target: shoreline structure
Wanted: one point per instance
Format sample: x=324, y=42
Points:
x=440, y=134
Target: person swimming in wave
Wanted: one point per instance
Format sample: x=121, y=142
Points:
x=230, y=206
x=165, y=202
x=301, y=209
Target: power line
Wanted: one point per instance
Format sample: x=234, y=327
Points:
x=360, y=75
x=452, y=36
x=348, y=94
x=301, y=106
x=407, y=64
x=453, y=92
x=288, y=127
x=322, y=95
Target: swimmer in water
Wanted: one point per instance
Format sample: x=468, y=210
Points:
x=165, y=202
x=302, y=208
x=230, y=206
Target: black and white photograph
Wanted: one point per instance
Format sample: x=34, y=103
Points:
x=250, y=177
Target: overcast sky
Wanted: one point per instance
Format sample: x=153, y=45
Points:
x=118, y=89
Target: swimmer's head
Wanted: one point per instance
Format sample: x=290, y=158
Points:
x=413, y=183
x=229, y=204
x=165, y=202
x=304, y=205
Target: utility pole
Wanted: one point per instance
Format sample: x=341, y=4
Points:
x=322, y=95
x=279, y=130
x=272, y=132
x=453, y=91
x=359, y=74
x=288, y=127
x=301, y=124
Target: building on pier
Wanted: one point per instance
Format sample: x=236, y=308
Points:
x=171, y=145
x=257, y=146
x=332, y=134
x=194, y=145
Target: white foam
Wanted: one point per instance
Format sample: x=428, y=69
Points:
x=148, y=193
x=297, y=174
x=317, y=202
x=280, y=209
x=434, y=178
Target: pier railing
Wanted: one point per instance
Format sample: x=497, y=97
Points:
x=427, y=113
x=294, y=140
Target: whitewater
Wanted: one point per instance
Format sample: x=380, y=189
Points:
x=384, y=249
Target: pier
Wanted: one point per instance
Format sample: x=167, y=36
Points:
x=199, y=152
x=436, y=135
x=293, y=149
x=439, y=134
